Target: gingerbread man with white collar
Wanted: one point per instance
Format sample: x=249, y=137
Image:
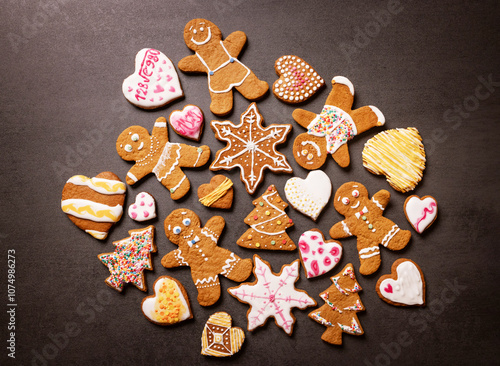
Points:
x=198, y=249
x=364, y=219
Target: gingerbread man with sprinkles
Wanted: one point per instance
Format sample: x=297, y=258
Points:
x=198, y=249
x=364, y=219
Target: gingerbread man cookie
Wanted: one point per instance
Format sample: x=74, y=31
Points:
x=364, y=219
x=329, y=131
x=154, y=153
x=219, y=59
x=198, y=249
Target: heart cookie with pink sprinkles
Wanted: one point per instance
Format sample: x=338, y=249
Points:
x=144, y=207
x=317, y=255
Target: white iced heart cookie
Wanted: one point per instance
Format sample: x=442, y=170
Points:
x=317, y=255
x=420, y=212
x=154, y=82
x=405, y=285
x=309, y=196
x=144, y=207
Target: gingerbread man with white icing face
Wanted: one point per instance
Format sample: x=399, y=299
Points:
x=154, y=153
x=198, y=249
x=328, y=132
x=364, y=219
x=219, y=59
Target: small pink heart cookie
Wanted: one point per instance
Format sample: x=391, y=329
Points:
x=188, y=123
x=420, y=212
x=144, y=207
x=317, y=255
x=405, y=286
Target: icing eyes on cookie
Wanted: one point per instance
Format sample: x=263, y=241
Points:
x=355, y=193
x=345, y=201
x=177, y=230
x=128, y=148
x=194, y=31
x=186, y=222
x=135, y=137
x=305, y=152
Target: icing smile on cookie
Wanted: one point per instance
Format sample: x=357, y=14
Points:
x=209, y=36
x=356, y=205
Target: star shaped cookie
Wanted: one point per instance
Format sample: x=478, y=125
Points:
x=251, y=147
x=272, y=295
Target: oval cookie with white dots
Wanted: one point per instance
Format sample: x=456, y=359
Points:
x=298, y=81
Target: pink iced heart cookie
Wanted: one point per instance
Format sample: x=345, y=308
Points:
x=144, y=207
x=421, y=212
x=152, y=86
x=188, y=123
x=317, y=255
x=405, y=286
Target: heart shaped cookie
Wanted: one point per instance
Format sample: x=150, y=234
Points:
x=317, y=255
x=297, y=82
x=219, y=338
x=421, y=212
x=309, y=196
x=154, y=82
x=399, y=155
x=169, y=304
x=144, y=207
x=188, y=123
x=218, y=193
x=405, y=286
x=94, y=204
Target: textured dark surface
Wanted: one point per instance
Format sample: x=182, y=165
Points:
x=61, y=109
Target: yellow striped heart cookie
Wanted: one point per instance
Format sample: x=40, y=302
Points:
x=219, y=339
x=399, y=155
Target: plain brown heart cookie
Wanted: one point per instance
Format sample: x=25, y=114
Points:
x=218, y=193
x=94, y=204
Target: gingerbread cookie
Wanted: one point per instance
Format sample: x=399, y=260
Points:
x=94, y=204
x=154, y=153
x=198, y=249
x=188, y=123
x=144, y=207
x=131, y=257
x=420, y=212
x=219, y=59
x=218, y=193
x=364, y=219
x=399, y=155
x=318, y=255
x=309, y=196
x=405, y=286
x=154, y=83
x=329, y=131
x=272, y=295
x=297, y=82
x=169, y=304
x=251, y=147
x=219, y=338
x=342, y=302
x=268, y=222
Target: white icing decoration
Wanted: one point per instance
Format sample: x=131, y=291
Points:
x=408, y=288
x=97, y=234
x=162, y=161
x=313, y=144
x=380, y=115
x=144, y=207
x=265, y=197
x=131, y=176
x=345, y=81
x=421, y=212
x=309, y=196
x=115, y=186
x=90, y=210
x=318, y=257
x=148, y=305
x=387, y=238
x=209, y=36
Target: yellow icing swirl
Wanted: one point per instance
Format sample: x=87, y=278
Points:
x=217, y=193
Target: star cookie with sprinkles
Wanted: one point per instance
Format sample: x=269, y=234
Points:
x=272, y=295
x=251, y=147
x=130, y=258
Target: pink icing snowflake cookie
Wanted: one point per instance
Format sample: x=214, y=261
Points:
x=421, y=212
x=317, y=255
x=188, y=123
x=144, y=207
x=154, y=83
x=272, y=295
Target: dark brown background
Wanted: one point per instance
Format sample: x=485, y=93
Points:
x=62, y=65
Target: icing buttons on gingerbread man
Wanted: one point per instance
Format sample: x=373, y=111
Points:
x=198, y=249
x=364, y=219
x=155, y=154
x=219, y=60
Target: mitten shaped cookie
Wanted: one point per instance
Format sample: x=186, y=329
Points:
x=219, y=59
x=154, y=153
x=198, y=249
x=364, y=219
x=329, y=131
